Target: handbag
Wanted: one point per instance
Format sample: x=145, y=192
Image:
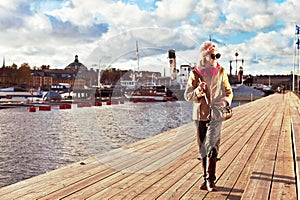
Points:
x=226, y=112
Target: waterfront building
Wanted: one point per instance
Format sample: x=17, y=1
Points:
x=274, y=80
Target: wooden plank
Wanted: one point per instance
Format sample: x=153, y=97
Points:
x=295, y=119
x=222, y=144
x=160, y=184
x=37, y=184
x=259, y=184
x=284, y=183
x=257, y=143
x=245, y=174
x=162, y=166
x=256, y=156
x=231, y=147
x=239, y=119
x=240, y=132
x=177, y=190
x=133, y=165
x=238, y=158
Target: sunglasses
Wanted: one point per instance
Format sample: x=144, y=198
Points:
x=215, y=56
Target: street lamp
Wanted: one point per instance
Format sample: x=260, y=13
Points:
x=31, y=89
x=236, y=55
x=236, y=65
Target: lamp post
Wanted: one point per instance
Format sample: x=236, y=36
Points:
x=236, y=63
x=31, y=89
x=296, y=60
x=236, y=55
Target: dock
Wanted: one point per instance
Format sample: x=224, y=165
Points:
x=259, y=159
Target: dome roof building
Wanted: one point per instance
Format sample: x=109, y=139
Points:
x=76, y=65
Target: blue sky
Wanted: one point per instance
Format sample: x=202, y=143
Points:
x=52, y=32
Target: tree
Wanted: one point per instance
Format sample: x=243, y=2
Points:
x=14, y=74
x=43, y=67
x=25, y=74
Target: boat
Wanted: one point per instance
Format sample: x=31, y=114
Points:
x=130, y=84
x=150, y=93
x=104, y=92
x=178, y=85
x=9, y=89
x=51, y=96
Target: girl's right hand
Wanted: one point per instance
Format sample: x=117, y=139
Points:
x=202, y=85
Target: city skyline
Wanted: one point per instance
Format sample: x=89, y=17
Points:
x=104, y=33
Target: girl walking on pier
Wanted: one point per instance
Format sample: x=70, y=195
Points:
x=209, y=89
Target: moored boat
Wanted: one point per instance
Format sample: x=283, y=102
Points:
x=9, y=89
x=150, y=93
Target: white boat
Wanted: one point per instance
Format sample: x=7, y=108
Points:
x=9, y=89
x=129, y=84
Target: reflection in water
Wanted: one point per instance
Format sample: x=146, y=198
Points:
x=34, y=143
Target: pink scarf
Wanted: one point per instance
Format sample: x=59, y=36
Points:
x=208, y=71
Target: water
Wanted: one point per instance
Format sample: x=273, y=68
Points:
x=34, y=143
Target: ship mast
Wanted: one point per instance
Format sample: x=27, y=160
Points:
x=137, y=56
x=99, y=74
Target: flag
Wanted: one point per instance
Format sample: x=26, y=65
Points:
x=298, y=43
x=297, y=30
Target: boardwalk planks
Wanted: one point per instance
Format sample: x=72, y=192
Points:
x=259, y=149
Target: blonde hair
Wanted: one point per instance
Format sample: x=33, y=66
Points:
x=207, y=48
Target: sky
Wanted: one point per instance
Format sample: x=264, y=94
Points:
x=107, y=33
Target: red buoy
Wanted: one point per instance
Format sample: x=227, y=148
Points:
x=32, y=109
x=114, y=102
x=84, y=104
x=97, y=103
x=65, y=106
x=44, y=108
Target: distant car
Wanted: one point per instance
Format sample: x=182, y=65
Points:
x=52, y=96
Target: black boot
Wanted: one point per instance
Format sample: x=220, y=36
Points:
x=211, y=174
x=203, y=162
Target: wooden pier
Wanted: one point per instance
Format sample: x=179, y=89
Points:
x=259, y=153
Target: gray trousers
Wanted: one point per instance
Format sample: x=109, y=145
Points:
x=208, y=134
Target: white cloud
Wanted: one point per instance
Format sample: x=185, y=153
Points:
x=10, y=4
x=209, y=12
x=38, y=22
x=52, y=32
x=246, y=16
x=266, y=53
x=173, y=11
x=288, y=11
